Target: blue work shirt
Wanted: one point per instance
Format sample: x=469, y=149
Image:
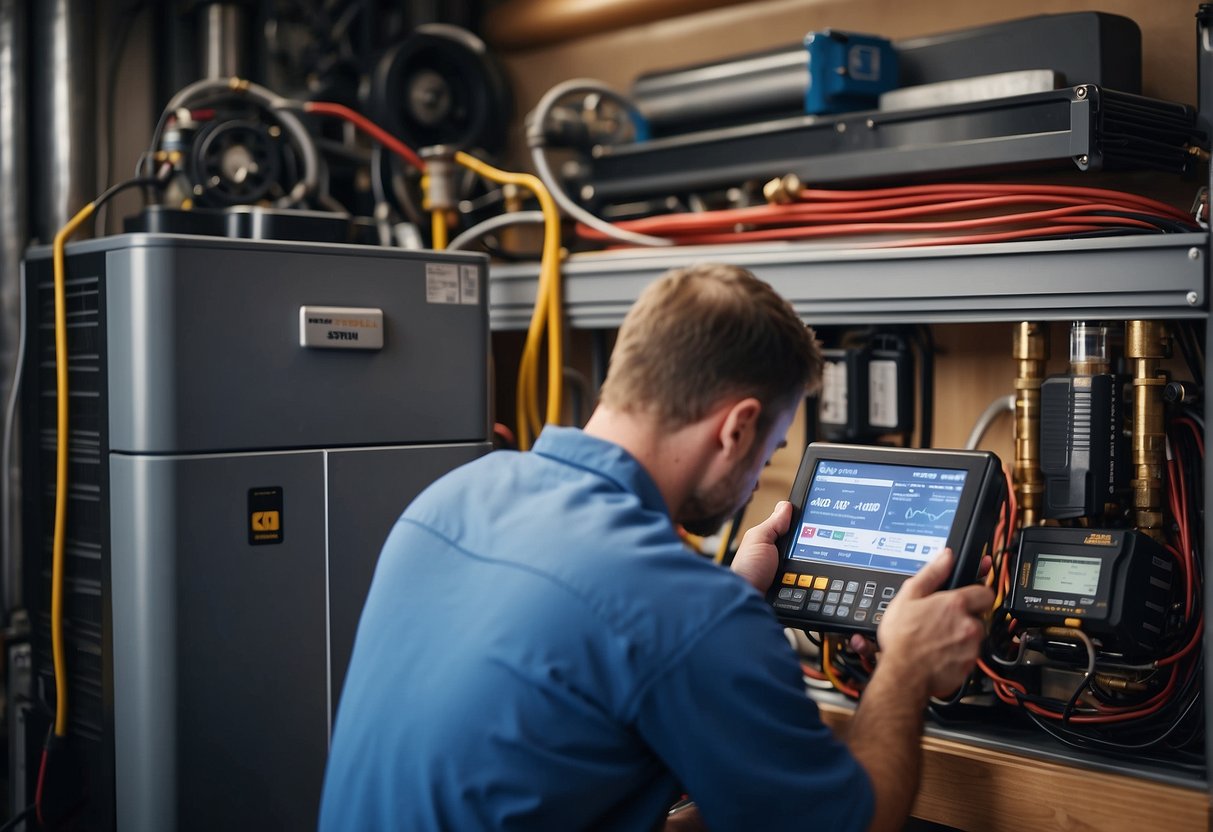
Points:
x=539, y=651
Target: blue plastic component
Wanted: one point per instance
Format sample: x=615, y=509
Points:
x=847, y=71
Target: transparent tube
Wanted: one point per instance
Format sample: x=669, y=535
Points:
x=1089, y=348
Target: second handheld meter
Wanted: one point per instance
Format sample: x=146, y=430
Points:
x=867, y=518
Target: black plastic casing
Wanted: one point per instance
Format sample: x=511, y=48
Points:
x=972, y=527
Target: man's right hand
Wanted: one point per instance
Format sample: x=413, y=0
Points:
x=932, y=638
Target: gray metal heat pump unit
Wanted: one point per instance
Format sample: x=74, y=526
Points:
x=248, y=419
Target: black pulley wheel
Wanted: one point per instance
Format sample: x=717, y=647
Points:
x=236, y=162
x=440, y=86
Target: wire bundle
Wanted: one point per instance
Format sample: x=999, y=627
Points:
x=1128, y=708
x=921, y=215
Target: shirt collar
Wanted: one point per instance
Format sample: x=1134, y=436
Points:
x=575, y=447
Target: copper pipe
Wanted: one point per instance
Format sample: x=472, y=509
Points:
x=526, y=24
x=1030, y=349
x=1146, y=344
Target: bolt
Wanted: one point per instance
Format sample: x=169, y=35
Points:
x=841, y=127
x=1082, y=160
x=587, y=192
x=871, y=123
x=1081, y=92
x=1192, y=298
x=1193, y=253
x=199, y=190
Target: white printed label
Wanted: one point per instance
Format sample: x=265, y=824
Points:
x=833, y=409
x=340, y=328
x=441, y=283
x=882, y=394
x=469, y=285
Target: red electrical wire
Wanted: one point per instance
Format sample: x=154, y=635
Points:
x=1196, y=432
x=820, y=213
x=812, y=672
x=328, y=108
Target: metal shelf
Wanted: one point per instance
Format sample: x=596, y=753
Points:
x=1116, y=278
x=1134, y=277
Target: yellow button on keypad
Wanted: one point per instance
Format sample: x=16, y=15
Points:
x=821, y=583
x=806, y=580
x=789, y=578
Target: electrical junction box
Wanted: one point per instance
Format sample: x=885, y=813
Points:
x=847, y=71
x=232, y=480
x=1082, y=447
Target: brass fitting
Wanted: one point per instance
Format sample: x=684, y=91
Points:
x=1118, y=683
x=1030, y=348
x=782, y=191
x=1147, y=343
x=440, y=189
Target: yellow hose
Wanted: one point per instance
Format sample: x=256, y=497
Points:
x=58, y=651
x=548, y=308
x=438, y=228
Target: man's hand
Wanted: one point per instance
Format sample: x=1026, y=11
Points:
x=757, y=558
x=931, y=638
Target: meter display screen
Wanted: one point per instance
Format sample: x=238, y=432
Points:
x=1073, y=575
x=893, y=518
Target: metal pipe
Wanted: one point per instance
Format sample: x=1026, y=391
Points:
x=222, y=33
x=14, y=233
x=1030, y=348
x=1147, y=343
x=64, y=109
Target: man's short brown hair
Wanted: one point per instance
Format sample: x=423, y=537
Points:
x=704, y=333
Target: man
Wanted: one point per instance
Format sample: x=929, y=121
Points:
x=539, y=651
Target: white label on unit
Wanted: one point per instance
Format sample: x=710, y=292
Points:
x=441, y=283
x=340, y=328
x=833, y=408
x=882, y=394
x=469, y=285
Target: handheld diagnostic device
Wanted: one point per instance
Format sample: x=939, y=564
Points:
x=867, y=518
x=1114, y=584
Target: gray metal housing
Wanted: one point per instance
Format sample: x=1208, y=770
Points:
x=224, y=660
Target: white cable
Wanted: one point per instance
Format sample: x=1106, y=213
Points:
x=6, y=466
x=1003, y=404
x=492, y=224
x=537, y=143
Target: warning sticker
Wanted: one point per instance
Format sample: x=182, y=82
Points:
x=441, y=283
x=265, y=521
x=469, y=285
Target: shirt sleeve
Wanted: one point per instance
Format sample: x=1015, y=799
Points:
x=731, y=719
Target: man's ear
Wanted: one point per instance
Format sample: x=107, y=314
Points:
x=739, y=428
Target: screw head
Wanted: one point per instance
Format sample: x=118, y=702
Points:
x=1194, y=253
x=1081, y=92
x=1082, y=160
x=1192, y=298
x=587, y=192
x=841, y=127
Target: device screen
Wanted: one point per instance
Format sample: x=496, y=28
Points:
x=1075, y=575
x=893, y=518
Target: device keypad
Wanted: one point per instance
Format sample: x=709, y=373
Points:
x=826, y=598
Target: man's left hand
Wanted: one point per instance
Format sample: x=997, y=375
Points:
x=757, y=557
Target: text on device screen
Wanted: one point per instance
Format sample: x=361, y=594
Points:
x=1060, y=573
x=893, y=518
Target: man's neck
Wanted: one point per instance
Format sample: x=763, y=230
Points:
x=673, y=459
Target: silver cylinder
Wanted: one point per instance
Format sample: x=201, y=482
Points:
x=14, y=233
x=222, y=33
x=64, y=105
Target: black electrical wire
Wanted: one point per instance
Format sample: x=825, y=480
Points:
x=734, y=527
